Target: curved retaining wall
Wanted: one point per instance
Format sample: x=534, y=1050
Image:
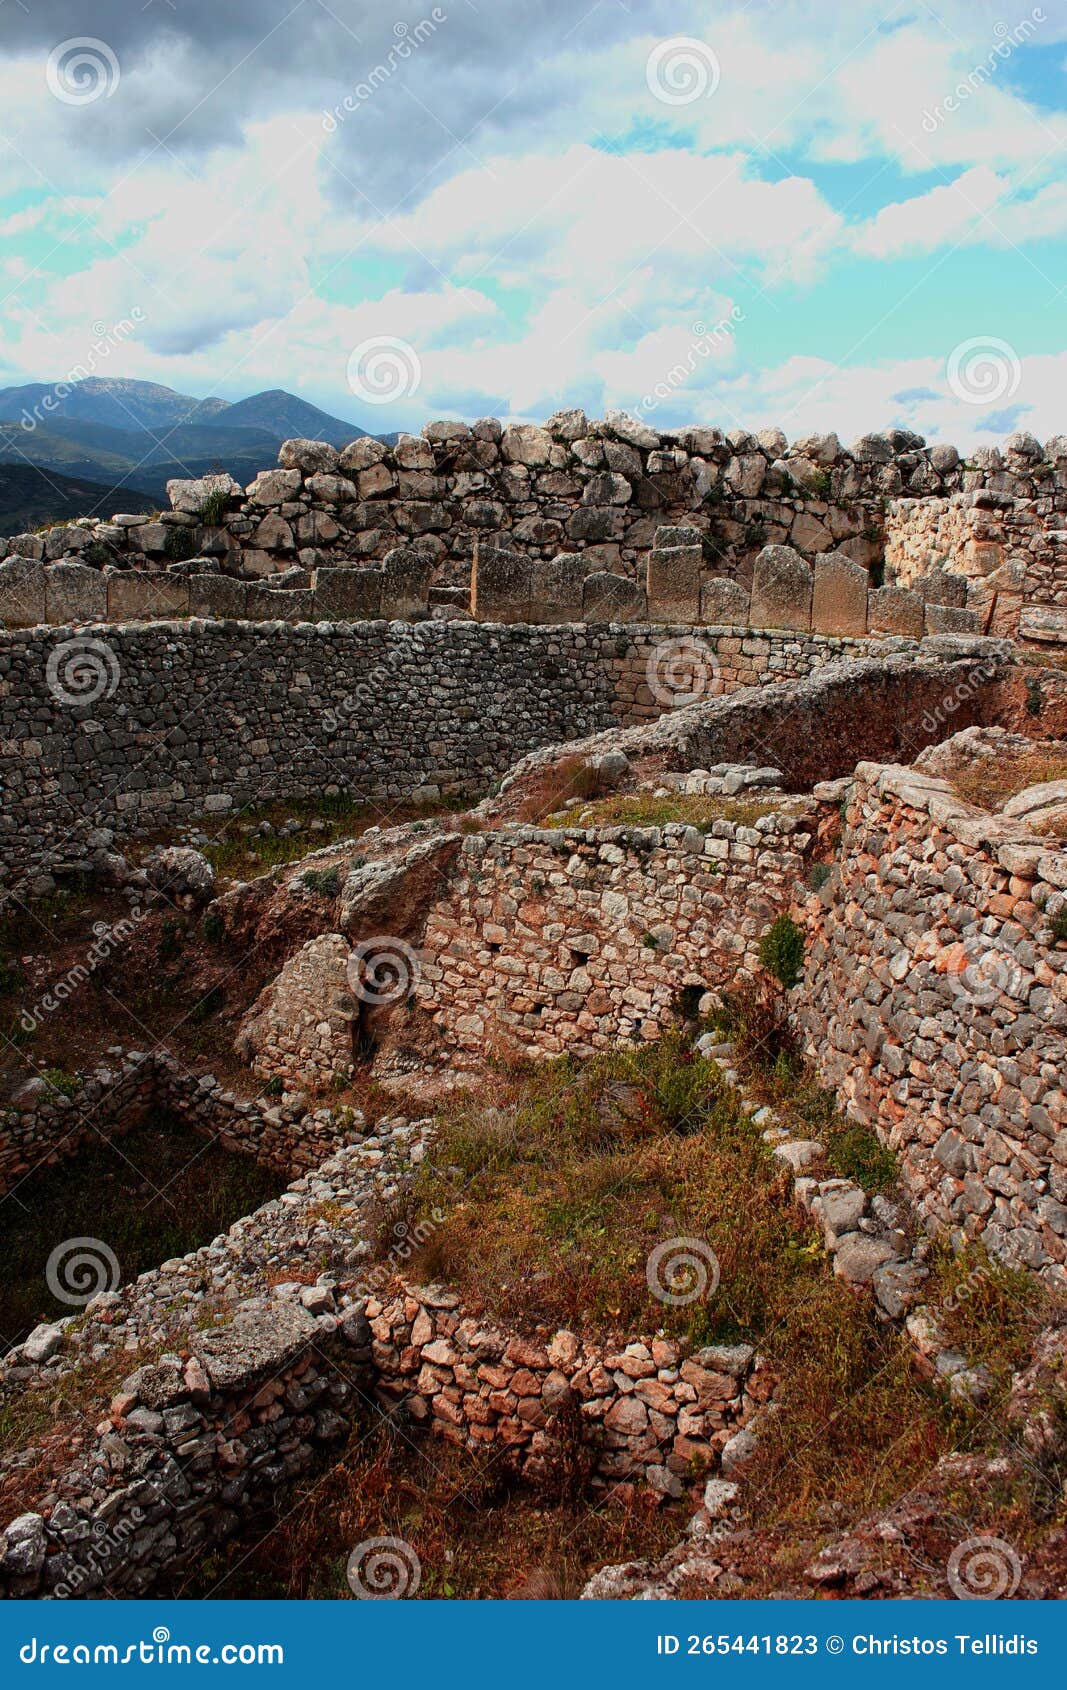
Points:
x=138, y=728
x=935, y=1002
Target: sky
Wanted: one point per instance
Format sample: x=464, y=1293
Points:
x=817, y=217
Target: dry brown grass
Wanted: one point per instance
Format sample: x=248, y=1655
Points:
x=478, y=1530
x=556, y=785
x=990, y=781
x=643, y=809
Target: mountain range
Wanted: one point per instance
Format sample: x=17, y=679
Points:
x=137, y=436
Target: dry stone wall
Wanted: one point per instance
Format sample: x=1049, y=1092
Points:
x=42, y=1124
x=113, y=731
x=935, y=1002
x=574, y=939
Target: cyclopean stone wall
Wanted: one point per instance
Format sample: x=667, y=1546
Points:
x=935, y=1001
x=408, y=518
x=108, y=732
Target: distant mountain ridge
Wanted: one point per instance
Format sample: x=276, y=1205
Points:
x=140, y=435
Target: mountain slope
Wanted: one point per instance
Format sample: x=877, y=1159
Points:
x=29, y=498
x=289, y=418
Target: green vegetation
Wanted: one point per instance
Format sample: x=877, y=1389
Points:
x=1058, y=926
x=214, y=506
x=326, y=881
x=180, y=543
x=57, y=1080
x=781, y=951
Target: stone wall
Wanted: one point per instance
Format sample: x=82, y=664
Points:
x=576, y=485
x=649, y=1409
x=43, y=1125
x=189, y=1450
x=576, y=939
x=935, y=1002
x=114, y=731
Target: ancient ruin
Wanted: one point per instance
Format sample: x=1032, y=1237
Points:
x=609, y=890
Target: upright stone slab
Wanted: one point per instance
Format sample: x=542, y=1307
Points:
x=219, y=597
x=501, y=585
x=613, y=598
x=22, y=592
x=941, y=586
x=673, y=583
x=280, y=604
x=138, y=596
x=895, y=610
x=839, y=596
x=949, y=619
x=349, y=595
x=556, y=588
x=75, y=593
x=782, y=585
x=406, y=576
x=724, y=603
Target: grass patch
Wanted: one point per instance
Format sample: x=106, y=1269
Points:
x=644, y=809
x=990, y=781
x=237, y=850
x=566, y=1178
x=548, y=789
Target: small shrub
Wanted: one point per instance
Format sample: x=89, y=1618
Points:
x=820, y=484
x=1058, y=925
x=818, y=875
x=209, y=1005
x=781, y=951
x=326, y=881
x=97, y=555
x=58, y=1080
x=212, y=927
x=215, y=506
x=170, y=941
x=1035, y=697
x=858, y=1154
x=180, y=543
x=274, y=1087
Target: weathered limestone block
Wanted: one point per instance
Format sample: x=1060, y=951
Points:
x=406, y=576
x=613, y=598
x=1044, y=623
x=190, y=496
x=556, y=588
x=524, y=443
x=136, y=596
x=349, y=595
x=501, y=585
x=22, y=592
x=302, y=1025
x=311, y=457
x=724, y=603
x=895, y=610
x=839, y=596
x=940, y=586
x=949, y=619
x=279, y=604
x=782, y=585
x=75, y=593
x=275, y=487
x=218, y=596
x=673, y=583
